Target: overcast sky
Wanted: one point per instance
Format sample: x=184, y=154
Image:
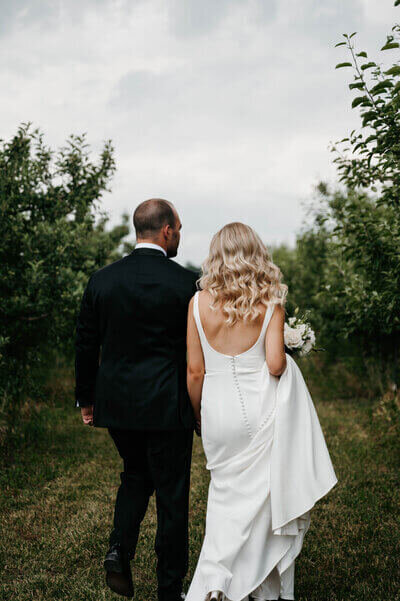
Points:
x=224, y=107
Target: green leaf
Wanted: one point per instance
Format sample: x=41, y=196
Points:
x=340, y=65
x=370, y=139
x=367, y=66
x=390, y=46
x=358, y=85
x=358, y=100
x=397, y=2
x=363, y=54
x=381, y=87
x=340, y=44
x=368, y=116
x=352, y=35
x=395, y=70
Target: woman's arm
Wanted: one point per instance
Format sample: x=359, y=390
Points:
x=274, y=344
x=195, y=364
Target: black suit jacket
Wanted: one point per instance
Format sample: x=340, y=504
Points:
x=134, y=314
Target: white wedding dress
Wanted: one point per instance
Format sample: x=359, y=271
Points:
x=269, y=464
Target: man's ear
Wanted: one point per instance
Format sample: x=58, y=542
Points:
x=167, y=231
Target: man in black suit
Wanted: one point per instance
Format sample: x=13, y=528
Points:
x=135, y=311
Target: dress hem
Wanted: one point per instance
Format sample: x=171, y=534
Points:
x=246, y=595
x=306, y=510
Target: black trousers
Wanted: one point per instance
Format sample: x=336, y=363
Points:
x=155, y=461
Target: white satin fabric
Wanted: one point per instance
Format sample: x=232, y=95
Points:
x=269, y=464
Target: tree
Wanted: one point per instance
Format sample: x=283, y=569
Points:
x=370, y=158
x=363, y=269
x=50, y=243
x=345, y=266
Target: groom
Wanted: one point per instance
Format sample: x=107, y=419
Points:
x=133, y=314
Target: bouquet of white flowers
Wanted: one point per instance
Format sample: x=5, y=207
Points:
x=299, y=337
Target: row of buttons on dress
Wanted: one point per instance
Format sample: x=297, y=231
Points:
x=240, y=395
x=265, y=420
x=236, y=381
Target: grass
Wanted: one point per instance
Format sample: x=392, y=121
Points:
x=58, y=485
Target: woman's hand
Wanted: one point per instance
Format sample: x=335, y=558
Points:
x=197, y=427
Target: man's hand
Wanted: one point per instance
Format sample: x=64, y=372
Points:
x=87, y=415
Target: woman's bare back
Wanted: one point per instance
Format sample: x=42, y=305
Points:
x=228, y=339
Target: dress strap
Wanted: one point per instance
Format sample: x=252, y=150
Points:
x=196, y=314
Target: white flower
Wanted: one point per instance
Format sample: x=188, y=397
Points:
x=302, y=327
x=309, y=342
x=293, y=337
x=306, y=348
x=299, y=337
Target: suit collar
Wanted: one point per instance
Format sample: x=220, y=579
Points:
x=148, y=251
x=151, y=245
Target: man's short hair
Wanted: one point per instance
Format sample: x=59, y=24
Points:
x=151, y=215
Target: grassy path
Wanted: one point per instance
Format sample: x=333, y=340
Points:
x=57, y=496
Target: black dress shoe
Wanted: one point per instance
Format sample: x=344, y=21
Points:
x=118, y=572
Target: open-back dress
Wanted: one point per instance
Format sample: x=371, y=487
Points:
x=268, y=463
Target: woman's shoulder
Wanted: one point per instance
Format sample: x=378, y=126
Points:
x=204, y=298
x=197, y=294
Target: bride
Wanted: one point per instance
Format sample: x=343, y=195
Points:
x=261, y=436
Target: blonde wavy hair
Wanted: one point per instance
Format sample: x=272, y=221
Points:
x=240, y=275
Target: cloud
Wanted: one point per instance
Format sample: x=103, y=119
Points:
x=19, y=14
x=226, y=108
x=192, y=18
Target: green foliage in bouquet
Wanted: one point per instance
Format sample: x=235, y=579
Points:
x=50, y=241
